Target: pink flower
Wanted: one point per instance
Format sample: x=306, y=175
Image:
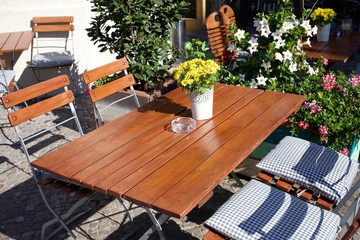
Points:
x=314, y=108
x=355, y=80
x=325, y=61
x=87, y=91
x=329, y=81
x=303, y=125
x=323, y=131
x=345, y=151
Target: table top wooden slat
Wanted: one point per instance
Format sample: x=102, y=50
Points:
x=137, y=157
x=144, y=116
x=217, y=166
x=337, y=49
x=173, y=150
x=15, y=41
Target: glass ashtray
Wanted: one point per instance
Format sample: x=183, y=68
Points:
x=183, y=124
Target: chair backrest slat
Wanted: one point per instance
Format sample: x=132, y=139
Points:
x=53, y=19
x=34, y=91
x=40, y=108
x=112, y=87
x=53, y=28
x=105, y=70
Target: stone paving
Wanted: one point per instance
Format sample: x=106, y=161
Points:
x=22, y=211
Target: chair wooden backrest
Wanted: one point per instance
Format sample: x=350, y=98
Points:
x=216, y=35
x=217, y=24
x=117, y=70
x=19, y=116
x=55, y=24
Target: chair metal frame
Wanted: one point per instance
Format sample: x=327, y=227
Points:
x=53, y=37
x=7, y=77
x=122, y=81
x=17, y=116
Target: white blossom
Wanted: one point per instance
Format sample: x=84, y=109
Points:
x=252, y=49
x=308, y=42
x=276, y=35
x=241, y=77
x=266, y=65
x=293, y=67
x=287, y=55
x=279, y=43
x=311, y=70
x=298, y=45
x=261, y=80
x=278, y=56
x=253, y=84
x=265, y=31
x=257, y=25
x=240, y=34
x=231, y=47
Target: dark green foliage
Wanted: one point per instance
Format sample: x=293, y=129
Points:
x=141, y=31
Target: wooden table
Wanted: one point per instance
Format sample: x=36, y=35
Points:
x=138, y=157
x=11, y=42
x=337, y=49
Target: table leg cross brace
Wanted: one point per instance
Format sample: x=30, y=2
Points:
x=156, y=225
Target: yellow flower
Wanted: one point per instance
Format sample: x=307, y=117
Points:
x=197, y=75
x=323, y=16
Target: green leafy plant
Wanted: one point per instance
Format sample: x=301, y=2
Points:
x=140, y=31
x=196, y=49
x=197, y=75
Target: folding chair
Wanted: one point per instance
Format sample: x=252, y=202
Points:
x=53, y=44
x=304, y=186
x=120, y=79
x=7, y=77
x=216, y=36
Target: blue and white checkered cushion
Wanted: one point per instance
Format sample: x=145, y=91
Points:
x=52, y=59
x=259, y=211
x=315, y=167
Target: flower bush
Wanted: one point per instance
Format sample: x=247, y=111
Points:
x=331, y=112
x=272, y=58
x=197, y=75
x=322, y=16
x=273, y=55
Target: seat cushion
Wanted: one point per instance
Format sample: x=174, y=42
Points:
x=315, y=167
x=52, y=59
x=259, y=211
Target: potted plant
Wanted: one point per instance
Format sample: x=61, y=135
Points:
x=322, y=18
x=198, y=76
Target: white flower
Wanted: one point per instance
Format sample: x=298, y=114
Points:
x=252, y=49
x=276, y=35
x=293, y=67
x=308, y=42
x=257, y=25
x=298, y=44
x=286, y=26
x=278, y=56
x=261, y=80
x=314, y=30
x=287, y=55
x=306, y=24
x=253, y=84
x=279, y=43
x=253, y=42
x=265, y=31
x=240, y=34
x=311, y=70
x=264, y=22
x=266, y=65
x=241, y=77
x=231, y=47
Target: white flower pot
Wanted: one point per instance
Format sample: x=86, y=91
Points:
x=202, y=104
x=323, y=33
